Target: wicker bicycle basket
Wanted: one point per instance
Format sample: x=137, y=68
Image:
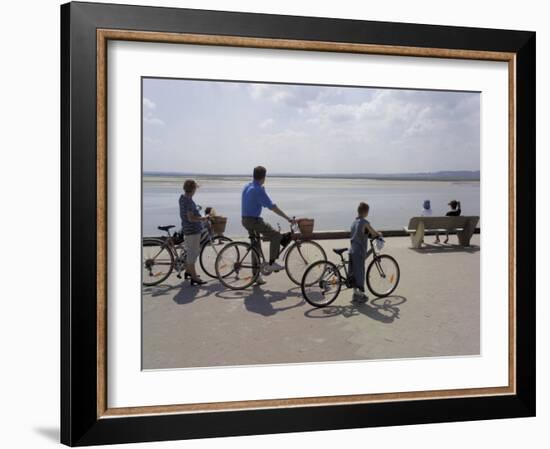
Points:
x=306, y=225
x=218, y=224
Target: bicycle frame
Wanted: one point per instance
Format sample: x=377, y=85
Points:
x=256, y=243
x=322, y=278
x=256, y=238
x=178, y=250
x=346, y=279
x=251, y=256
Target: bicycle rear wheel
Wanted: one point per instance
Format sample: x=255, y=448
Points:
x=321, y=283
x=299, y=256
x=383, y=275
x=209, y=253
x=238, y=265
x=157, y=262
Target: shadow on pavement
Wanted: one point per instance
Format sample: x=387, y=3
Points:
x=161, y=290
x=261, y=300
x=445, y=248
x=258, y=299
x=184, y=292
x=385, y=310
x=188, y=293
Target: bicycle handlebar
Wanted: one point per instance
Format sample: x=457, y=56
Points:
x=293, y=226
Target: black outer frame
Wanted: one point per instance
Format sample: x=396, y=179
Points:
x=79, y=422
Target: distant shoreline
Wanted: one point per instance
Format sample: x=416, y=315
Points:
x=444, y=176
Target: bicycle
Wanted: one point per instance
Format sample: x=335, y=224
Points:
x=323, y=280
x=239, y=264
x=162, y=256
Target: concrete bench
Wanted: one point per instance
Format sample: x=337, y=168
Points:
x=464, y=227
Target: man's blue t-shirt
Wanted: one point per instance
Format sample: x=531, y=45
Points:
x=254, y=197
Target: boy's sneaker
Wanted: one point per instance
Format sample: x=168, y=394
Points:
x=273, y=267
x=359, y=298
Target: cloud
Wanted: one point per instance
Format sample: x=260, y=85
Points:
x=369, y=128
x=151, y=141
x=317, y=128
x=322, y=111
x=153, y=121
x=275, y=94
x=148, y=117
x=148, y=104
x=284, y=95
x=395, y=115
x=268, y=123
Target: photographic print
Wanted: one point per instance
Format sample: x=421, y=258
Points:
x=298, y=223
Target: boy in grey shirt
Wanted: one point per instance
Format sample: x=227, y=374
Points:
x=360, y=230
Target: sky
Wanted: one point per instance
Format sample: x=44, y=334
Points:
x=221, y=127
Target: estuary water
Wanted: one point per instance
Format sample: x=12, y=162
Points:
x=332, y=202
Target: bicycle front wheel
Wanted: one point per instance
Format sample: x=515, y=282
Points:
x=300, y=255
x=238, y=265
x=383, y=275
x=157, y=262
x=209, y=253
x=321, y=283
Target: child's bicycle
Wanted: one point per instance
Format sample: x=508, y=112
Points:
x=162, y=256
x=323, y=280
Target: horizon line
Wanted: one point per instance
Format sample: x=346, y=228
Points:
x=298, y=174
x=322, y=173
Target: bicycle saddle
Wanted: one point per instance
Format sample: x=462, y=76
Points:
x=165, y=228
x=339, y=251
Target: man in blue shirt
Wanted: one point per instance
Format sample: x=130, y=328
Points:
x=254, y=198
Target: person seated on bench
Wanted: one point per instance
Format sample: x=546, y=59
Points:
x=427, y=212
x=358, y=251
x=454, y=212
x=426, y=209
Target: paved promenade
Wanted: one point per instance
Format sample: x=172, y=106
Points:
x=435, y=311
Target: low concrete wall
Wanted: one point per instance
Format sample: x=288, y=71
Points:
x=336, y=235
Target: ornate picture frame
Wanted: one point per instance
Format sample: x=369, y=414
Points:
x=85, y=416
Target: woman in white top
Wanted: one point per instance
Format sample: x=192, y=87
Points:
x=427, y=212
x=426, y=209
